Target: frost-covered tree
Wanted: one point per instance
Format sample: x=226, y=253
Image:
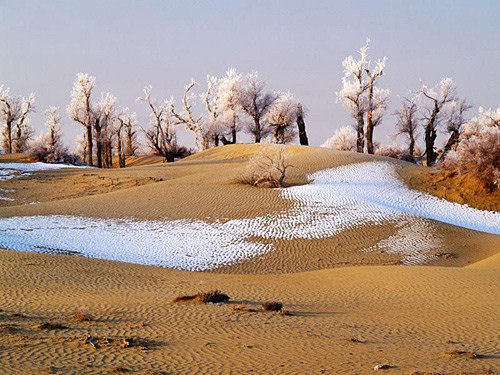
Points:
x=215, y=128
x=124, y=121
x=131, y=141
x=343, y=139
x=407, y=123
x=456, y=118
x=49, y=147
x=80, y=109
x=105, y=116
x=188, y=119
x=440, y=96
x=255, y=101
x=281, y=117
x=161, y=135
x=478, y=149
x=361, y=95
x=229, y=91
x=14, y=112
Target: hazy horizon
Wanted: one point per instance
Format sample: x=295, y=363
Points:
x=294, y=45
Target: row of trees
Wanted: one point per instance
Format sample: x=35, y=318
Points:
x=430, y=108
x=230, y=104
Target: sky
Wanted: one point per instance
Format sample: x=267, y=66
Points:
x=294, y=45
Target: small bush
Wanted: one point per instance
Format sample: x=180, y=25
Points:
x=396, y=152
x=50, y=326
x=462, y=354
x=82, y=316
x=272, y=306
x=477, y=153
x=214, y=296
x=269, y=168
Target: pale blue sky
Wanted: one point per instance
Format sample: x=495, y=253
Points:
x=294, y=45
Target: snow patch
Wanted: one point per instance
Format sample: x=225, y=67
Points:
x=337, y=199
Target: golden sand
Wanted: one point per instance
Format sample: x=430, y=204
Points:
x=345, y=319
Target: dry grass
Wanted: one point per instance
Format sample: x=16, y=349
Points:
x=356, y=340
x=454, y=353
x=82, y=316
x=243, y=308
x=214, y=296
x=272, y=306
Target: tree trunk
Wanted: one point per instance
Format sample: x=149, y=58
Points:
x=430, y=137
x=369, y=121
x=302, y=131
x=233, y=127
x=98, y=142
x=360, y=143
x=89, y=146
x=412, y=146
x=169, y=158
x=129, y=142
x=452, y=141
x=121, y=157
x=369, y=133
x=9, y=137
x=257, y=130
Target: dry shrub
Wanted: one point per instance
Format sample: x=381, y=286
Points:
x=272, y=306
x=50, y=326
x=214, y=296
x=396, y=152
x=478, y=154
x=266, y=169
x=243, y=308
x=82, y=316
x=462, y=354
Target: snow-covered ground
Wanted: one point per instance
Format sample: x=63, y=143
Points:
x=336, y=200
x=16, y=170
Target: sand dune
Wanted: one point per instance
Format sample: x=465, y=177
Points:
x=344, y=319
x=408, y=317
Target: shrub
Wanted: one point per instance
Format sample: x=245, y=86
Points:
x=269, y=168
x=478, y=150
x=214, y=296
x=344, y=139
x=396, y=152
x=272, y=306
x=82, y=316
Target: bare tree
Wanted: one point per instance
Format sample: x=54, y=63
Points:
x=407, y=123
x=255, y=102
x=14, y=112
x=160, y=135
x=187, y=118
x=456, y=119
x=131, y=135
x=80, y=109
x=440, y=96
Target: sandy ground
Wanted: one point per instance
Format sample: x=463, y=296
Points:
x=408, y=317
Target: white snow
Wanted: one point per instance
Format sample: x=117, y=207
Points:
x=12, y=170
x=15, y=170
x=336, y=200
